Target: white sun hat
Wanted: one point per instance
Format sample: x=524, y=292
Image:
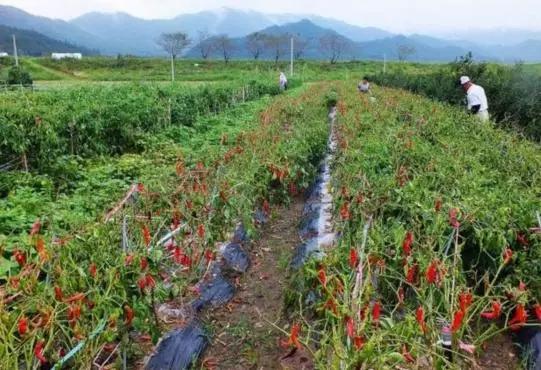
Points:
x=464, y=80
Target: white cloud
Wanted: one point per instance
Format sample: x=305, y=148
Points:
x=394, y=15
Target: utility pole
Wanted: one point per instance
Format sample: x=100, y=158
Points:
x=291, y=64
x=384, y=63
x=15, y=51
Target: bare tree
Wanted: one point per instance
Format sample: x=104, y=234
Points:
x=301, y=44
x=255, y=43
x=333, y=45
x=276, y=45
x=225, y=46
x=173, y=44
x=405, y=51
x=204, y=43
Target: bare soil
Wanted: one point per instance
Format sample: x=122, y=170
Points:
x=499, y=354
x=245, y=332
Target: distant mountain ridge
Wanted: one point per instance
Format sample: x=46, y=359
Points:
x=35, y=44
x=121, y=33
x=374, y=50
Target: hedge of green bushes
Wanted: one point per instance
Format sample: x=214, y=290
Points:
x=105, y=120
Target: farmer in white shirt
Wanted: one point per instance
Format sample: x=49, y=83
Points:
x=477, y=99
x=364, y=86
x=283, y=81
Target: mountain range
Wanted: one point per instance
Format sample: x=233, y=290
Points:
x=121, y=33
x=34, y=43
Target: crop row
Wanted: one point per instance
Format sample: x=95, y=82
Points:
x=39, y=128
x=439, y=247
x=68, y=287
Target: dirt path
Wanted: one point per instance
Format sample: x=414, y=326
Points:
x=242, y=337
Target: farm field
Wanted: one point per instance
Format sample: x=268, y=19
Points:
x=122, y=202
x=153, y=69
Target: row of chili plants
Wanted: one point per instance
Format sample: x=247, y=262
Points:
x=95, y=184
x=66, y=286
x=69, y=190
x=440, y=245
x=42, y=127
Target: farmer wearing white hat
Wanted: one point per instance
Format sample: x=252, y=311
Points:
x=477, y=99
x=283, y=81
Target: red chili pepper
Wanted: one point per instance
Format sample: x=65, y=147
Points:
x=293, y=339
x=322, y=277
x=92, y=269
x=353, y=258
x=344, y=211
x=331, y=305
x=411, y=274
x=453, y=212
x=58, y=295
x=142, y=283
x=522, y=239
x=36, y=226
x=537, y=311
x=432, y=275
x=376, y=312
x=20, y=257
x=186, y=261
x=358, y=342
x=407, y=243
x=128, y=259
x=143, y=263
x=40, y=248
x=74, y=312
x=90, y=304
x=150, y=282
x=407, y=356
x=457, y=321
x=266, y=207
x=201, y=231
x=519, y=318
x=146, y=235
x=75, y=297
x=209, y=256
x=437, y=205
x=465, y=299
x=128, y=315
x=507, y=255
x=22, y=326
x=38, y=352
x=293, y=191
x=495, y=313
x=420, y=317
x=40, y=245
x=350, y=329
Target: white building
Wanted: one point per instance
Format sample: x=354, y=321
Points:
x=3, y=54
x=58, y=56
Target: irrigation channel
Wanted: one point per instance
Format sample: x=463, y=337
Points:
x=241, y=295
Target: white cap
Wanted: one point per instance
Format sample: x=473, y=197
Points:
x=464, y=80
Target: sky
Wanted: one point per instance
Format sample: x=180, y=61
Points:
x=393, y=15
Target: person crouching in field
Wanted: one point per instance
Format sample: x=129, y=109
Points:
x=364, y=86
x=283, y=81
x=477, y=99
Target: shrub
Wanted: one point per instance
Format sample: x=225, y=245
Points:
x=18, y=76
